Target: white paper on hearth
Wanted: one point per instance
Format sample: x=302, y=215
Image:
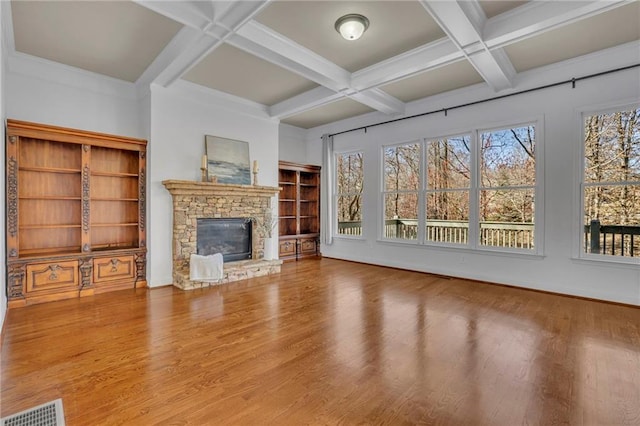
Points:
x=206, y=268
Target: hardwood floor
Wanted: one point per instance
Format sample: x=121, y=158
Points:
x=327, y=342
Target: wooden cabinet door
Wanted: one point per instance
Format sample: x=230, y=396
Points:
x=287, y=248
x=107, y=269
x=308, y=246
x=52, y=276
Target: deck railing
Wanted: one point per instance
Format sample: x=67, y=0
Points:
x=517, y=235
x=616, y=240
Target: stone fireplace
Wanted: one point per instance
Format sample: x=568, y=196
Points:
x=204, y=200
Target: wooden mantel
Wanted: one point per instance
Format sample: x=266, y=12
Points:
x=188, y=187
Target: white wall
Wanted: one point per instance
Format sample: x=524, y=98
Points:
x=293, y=146
x=557, y=270
x=178, y=126
x=45, y=92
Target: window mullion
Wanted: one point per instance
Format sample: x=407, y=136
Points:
x=474, y=195
x=422, y=204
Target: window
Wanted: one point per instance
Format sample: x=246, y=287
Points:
x=611, y=184
x=448, y=187
x=400, y=190
x=349, y=183
x=507, y=187
x=478, y=190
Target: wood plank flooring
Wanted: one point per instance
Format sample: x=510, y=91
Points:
x=327, y=342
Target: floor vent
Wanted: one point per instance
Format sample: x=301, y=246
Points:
x=48, y=414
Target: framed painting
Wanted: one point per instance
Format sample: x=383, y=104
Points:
x=227, y=160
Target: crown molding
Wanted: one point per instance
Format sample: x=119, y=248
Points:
x=218, y=99
x=55, y=72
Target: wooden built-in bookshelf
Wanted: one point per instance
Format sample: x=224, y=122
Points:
x=299, y=210
x=75, y=203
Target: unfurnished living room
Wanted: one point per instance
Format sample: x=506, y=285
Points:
x=320, y=212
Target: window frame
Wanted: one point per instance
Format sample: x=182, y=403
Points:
x=538, y=188
x=426, y=191
x=335, y=195
x=473, y=243
x=419, y=192
x=579, y=234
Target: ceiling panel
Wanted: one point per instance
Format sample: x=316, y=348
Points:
x=118, y=39
x=589, y=35
x=493, y=8
x=238, y=73
x=329, y=113
x=395, y=27
x=450, y=77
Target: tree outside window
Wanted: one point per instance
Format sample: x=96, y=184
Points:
x=448, y=186
x=476, y=189
x=507, y=187
x=401, y=186
x=611, y=183
x=349, y=183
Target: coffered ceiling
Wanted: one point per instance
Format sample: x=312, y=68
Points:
x=285, y=57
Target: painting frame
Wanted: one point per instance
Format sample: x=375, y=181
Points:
x=227, y=160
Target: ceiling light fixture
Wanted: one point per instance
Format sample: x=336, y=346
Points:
x=352, y=26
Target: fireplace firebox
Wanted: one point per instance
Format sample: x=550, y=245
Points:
x=229, y=236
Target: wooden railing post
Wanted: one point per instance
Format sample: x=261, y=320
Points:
x=595, y=236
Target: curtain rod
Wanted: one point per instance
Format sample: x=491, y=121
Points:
x=573, y=82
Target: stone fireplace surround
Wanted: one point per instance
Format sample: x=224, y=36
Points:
x=195, y=200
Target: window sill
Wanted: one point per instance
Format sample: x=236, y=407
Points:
x=349, y=237
x=609, y=261
x=464, y=249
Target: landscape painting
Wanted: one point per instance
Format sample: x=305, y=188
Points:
x=228, y=160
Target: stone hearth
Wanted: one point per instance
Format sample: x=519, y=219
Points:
x=194, y=200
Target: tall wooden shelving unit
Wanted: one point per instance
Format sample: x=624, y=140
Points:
x=75, y=213
x=299, y=210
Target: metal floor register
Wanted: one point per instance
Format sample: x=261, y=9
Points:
x=47, y=414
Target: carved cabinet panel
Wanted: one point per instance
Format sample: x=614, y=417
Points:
x=113, y=269
x=308, y=246
x=287, y=248
x=52, y=276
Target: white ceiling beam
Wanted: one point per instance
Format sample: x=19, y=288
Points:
x=272, y=46
x=169, y=62
x=183, y=60
x=303, y=102
x=190, y=46
x=185, y=12
x=240, y=13
x=280, y=50
x=379, y=100
x=463, y=23
x=535, y=18
x=433, y=55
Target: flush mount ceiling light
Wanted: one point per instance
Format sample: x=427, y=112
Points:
x=352, y=26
